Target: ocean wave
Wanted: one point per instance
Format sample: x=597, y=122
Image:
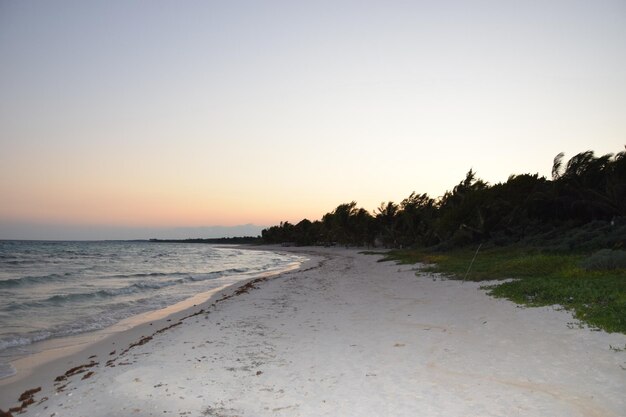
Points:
x=51, y=278
x=112, y=292
x=146, y=275
x=89, y=323
x=17, y=340
x=217, y=274
x=15, y=262
x=6, y=370
x=136, y=287
x=33, y=280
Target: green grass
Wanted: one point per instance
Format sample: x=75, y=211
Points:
x=597, y=298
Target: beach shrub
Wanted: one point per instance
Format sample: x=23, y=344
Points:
x=596, y=298
x=540, y=278
x=605, y=260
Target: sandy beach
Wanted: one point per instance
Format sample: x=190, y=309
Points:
x=344, y=335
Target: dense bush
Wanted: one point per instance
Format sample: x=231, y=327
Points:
x=605, y=260
x=583, y=207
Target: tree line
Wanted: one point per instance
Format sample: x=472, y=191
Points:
x=586, y=191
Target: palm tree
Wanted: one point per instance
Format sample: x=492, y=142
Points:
x=386, y=221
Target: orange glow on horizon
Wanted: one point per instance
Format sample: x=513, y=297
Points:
x=146, y=208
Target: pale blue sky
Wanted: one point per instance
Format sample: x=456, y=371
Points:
x=187, y=114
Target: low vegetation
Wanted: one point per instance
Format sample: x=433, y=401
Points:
x=596, y=297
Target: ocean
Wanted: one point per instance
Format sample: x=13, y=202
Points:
x=56, y=289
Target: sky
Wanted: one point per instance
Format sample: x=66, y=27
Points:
x=137, y=119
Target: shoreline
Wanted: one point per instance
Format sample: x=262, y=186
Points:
x=57, y=348
x=55, y=356
x=344, y=335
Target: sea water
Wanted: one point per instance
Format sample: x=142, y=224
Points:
x=57, y=289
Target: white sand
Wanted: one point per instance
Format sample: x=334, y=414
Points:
x=347, y=336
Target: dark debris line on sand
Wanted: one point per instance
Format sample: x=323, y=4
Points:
x=27, y=398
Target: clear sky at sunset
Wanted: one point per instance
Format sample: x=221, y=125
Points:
x=121, y=119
